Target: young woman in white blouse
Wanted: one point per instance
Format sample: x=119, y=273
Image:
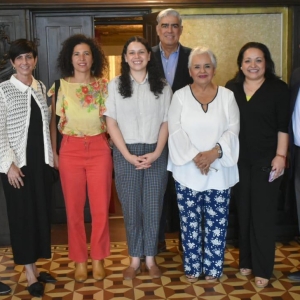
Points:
x=203, y=146
x=137, y=107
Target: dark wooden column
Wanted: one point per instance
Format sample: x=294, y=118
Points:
x=296, y=38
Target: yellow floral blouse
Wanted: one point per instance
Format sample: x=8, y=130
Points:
x=81, y=107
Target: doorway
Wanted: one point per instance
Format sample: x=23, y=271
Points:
x=112, y=34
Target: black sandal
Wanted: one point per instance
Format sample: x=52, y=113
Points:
x=36, y=289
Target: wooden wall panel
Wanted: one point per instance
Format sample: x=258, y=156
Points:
x=12, y=20
x=296, y=38
x=145, y=3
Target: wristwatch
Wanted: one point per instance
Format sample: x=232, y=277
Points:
x=219, y=149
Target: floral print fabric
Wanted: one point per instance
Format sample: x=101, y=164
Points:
x=203, y=222
x=81, y=107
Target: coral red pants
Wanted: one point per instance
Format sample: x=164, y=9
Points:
x=85, y=166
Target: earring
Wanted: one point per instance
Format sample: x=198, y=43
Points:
x=14, y=68
x=34, y=67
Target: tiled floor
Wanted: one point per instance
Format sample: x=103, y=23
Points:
x=172, y=285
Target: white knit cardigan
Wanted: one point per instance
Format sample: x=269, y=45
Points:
x=15, y=109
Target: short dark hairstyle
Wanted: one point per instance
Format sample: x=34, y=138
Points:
x=21, y=46
x=64, y=61
x=156, y=81
x=270, y=66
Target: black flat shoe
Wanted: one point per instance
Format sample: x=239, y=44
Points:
x=36, y=289
x=46, y=278
x=4, y=289
x=295, y=276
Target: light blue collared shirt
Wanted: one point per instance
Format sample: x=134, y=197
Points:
x=169, y=64
x=296, y=121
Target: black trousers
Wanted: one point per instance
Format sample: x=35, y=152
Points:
x=28, y=208
x=257, y=201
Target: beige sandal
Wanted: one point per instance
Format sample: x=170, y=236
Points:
x=191, y=278
x=261, y=282
x=211, y=278
x=245, y=271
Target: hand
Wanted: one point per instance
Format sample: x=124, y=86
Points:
x=278, y=164
x=15, y=175
x=147, y=159
x=137, y=161
x=203, y=160
x=198, y=160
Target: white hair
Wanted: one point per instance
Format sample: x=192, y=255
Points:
x=169, y=12
x=202, y=50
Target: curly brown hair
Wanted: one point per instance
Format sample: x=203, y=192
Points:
x=64, y=61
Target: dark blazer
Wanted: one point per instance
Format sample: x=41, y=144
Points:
x=182, y=75
x=294, y=89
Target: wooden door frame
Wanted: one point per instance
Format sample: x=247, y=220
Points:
x=95, y=4
x=95, y=14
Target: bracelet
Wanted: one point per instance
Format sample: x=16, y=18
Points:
x=280, y=155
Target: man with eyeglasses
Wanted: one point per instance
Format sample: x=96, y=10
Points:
x=173, y=60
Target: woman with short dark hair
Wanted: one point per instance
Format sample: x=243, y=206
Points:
x=25, y=160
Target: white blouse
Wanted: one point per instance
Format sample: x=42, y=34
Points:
x=140, y=116
x=192, y=130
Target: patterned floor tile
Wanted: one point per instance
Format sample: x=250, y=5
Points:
x=172, y=284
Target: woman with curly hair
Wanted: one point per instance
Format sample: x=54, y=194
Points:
x=84, y=159
x=137, y=108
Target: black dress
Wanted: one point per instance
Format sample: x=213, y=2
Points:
x=28, y=208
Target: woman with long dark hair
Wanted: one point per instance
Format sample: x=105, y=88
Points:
x=263, y=100
x=137, y=108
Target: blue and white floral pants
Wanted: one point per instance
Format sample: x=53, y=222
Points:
x=203, y=222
